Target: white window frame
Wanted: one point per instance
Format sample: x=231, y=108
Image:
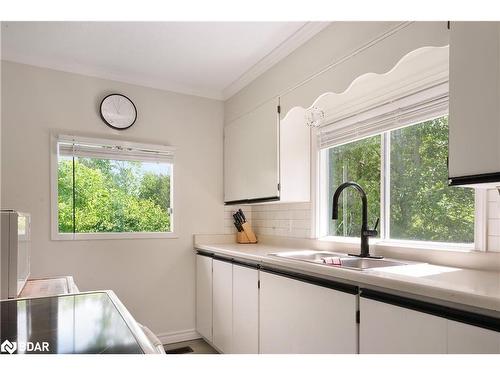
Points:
x=56, y=235
x=321, y=207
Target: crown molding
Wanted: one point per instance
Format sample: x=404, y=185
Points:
x=301, y=36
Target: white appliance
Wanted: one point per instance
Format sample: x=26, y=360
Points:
x=14, y=252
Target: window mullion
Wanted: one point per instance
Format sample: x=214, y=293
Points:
x=385, y=185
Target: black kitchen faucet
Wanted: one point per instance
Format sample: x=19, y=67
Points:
x=365, y=232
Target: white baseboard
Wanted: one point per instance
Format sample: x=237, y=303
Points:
x=178, y=336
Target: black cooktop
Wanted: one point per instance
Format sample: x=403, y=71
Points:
x=88, y=323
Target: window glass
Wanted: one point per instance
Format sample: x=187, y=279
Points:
x=422, y=205
x=359, y=162
x=113, y=195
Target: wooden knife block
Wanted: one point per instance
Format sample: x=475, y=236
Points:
x=247, y=235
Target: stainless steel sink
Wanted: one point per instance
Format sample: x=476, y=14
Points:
x=366, y=263
x=339, y=260
x=306, y=255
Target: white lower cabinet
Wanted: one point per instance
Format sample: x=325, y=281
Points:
x=468, y=339
x=204, y=296
x=235, y=308
x=290, y=315
x=299, y=317
x=222, y=305
x=390, y=329
x=245, y=310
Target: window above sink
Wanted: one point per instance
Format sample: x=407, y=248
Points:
x=404, y=174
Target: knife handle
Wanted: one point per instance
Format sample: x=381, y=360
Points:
x=242, y=215
x=236, y=218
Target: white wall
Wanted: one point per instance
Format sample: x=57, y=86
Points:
x=153, y=277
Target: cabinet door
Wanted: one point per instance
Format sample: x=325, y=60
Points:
x=474, y=126
x=389, y=329
x=251, y=155
x=468, y=339
x=298, y=317
x=204, y=296
x=245, y=310
x=295, y=158
x=222, y=305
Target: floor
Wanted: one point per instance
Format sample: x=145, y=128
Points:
x=198, y=346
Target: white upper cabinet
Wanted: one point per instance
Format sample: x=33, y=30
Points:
x=474, y=140
x=251, y=166
x=265, y=160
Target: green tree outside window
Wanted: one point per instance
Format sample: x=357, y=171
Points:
x=113, y=196
x=422, y=205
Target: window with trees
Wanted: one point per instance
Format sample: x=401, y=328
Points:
x=404, y=174
x=112, y=188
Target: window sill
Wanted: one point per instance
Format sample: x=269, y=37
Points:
x=113, y=236
x=409, y=245
x=444, y=246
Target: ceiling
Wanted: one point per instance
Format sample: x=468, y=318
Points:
x=210, y=59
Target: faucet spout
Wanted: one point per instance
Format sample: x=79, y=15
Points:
x=365, y=232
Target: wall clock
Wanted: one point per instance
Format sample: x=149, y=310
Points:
x=118, y=111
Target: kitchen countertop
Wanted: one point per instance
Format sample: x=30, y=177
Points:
x=88, y=323
x=476, y=289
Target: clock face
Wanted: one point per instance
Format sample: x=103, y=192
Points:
x=118, y=111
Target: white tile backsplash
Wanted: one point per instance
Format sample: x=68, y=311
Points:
x=295, y=219
x=282, y=219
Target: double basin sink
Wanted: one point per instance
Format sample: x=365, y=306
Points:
x=338, y=260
